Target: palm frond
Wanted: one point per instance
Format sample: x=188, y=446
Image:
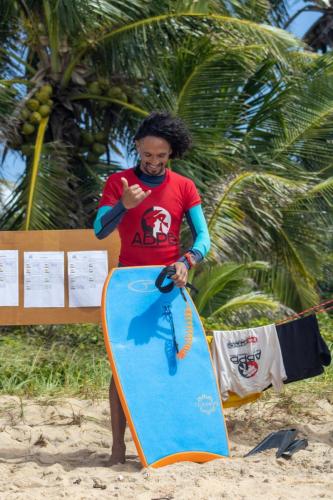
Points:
x=257, y=301
x=34, y=169
x=212, y=280
x=53, y=202
x=324, y=190
x=131, y=107
x=239, y=207
x=169, y=26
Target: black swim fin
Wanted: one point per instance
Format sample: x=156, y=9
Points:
x=279, y=439
x=298, y=444
x=287, y=439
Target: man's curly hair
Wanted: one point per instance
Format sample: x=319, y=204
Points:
x=168, y=127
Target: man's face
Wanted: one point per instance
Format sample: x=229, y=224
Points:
x=154, y=154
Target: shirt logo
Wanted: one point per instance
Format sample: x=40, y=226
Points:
x=156, y=220
x=242, y=342
x=156, y=224
x=247, y=363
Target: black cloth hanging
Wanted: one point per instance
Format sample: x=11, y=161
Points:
x=304, y=351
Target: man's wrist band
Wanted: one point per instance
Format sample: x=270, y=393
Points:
x=190, y=259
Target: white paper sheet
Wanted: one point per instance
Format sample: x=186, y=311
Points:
x=44, y=279
x=9, y=288
x=87, y=272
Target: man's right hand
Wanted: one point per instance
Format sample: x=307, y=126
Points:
x=132, y=195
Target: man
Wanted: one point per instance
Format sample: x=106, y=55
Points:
x=147, y=204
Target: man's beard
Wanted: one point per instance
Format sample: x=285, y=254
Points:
x=153, y=170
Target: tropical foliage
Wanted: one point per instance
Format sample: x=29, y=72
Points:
x=276, y=202
x=319, y=34
x=78, y=76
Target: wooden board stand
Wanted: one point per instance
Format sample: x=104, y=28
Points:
x=69, y=240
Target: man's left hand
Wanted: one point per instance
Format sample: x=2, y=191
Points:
x=180, y=276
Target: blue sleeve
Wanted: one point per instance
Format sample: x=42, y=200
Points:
x=201, y=240
x=107, y=219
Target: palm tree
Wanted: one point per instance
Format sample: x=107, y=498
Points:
x=77, y=77
x=320, y=34
x=270, y=195
x=246, y=90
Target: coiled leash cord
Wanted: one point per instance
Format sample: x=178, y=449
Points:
x=167, y=272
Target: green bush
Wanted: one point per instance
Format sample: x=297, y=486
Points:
x=44, y=360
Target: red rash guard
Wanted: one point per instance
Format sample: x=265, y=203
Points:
x=149, y=233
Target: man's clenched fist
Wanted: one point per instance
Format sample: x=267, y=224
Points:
x=181, y=274
x=132, y=195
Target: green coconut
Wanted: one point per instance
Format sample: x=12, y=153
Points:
x=99, y=149
x=47, y=89
x=114, y=92
x=44, y=110
x=28, y=128
x=94, y=88
x=25, y=113
x=103, y=83
x=43, y=97
x=35, y=117
x=87, y=138
x=32, y=104
x=101, y=137
x=117, y=93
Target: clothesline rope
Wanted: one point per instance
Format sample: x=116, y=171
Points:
x=325, y=310
x=318, y=308
x=315, y=309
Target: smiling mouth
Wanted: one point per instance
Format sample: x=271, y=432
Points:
x=154, y=168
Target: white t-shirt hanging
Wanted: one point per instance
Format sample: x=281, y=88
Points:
x=248, y=361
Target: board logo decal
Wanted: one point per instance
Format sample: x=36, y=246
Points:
x=142, y=286
x=206, y=404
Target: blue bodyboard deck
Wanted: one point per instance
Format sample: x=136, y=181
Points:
x=172, y=405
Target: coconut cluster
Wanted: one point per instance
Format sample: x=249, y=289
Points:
x=37, y=107
x=102, y=87
x=94, y=144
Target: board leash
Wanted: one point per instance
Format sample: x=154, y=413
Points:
x=167, y=272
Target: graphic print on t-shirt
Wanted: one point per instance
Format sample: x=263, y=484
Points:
x=248, y=360
x=155, y=223
x=240, y=343
x=156, y=220
x=247, y=364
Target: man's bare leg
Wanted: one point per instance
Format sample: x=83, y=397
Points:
x=118, y=426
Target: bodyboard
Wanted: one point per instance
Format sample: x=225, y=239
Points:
x=172, y=406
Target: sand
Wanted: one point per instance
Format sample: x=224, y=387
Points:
x=59, y=448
